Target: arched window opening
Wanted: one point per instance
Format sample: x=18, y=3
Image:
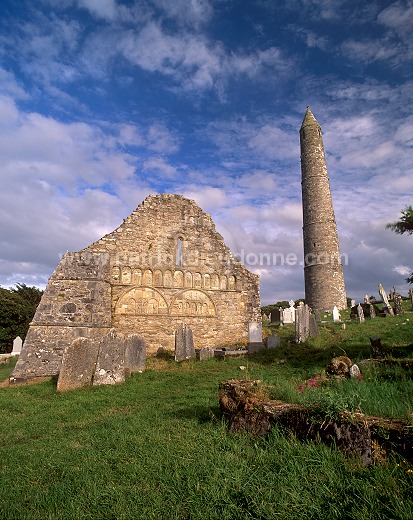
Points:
x=179, y=252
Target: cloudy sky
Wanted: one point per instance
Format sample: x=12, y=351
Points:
x=103, y=102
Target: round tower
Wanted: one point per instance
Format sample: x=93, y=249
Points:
x=323, y=272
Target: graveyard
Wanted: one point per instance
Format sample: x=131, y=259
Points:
x=158, y=445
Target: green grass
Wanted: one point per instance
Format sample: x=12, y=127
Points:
x=156, y=447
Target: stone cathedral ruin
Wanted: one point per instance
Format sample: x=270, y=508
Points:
x=165, y=265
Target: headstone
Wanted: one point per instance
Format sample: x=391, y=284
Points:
x=386, y=304
x=205, y=353
x=110, y=366
x=255, y=343
x=397, y=300
x=265, y=319
x=314, y=331
x=273, y=341
x=366, y=299
x=78, y=364
x=184, y=343
x=17, y=346
x=355, y=371
x=302, y=323
x=360, y=313
x=254, y=332
x=353, y=303
x=135, y=354
x=336, y=314
x=275, y=316
x=289, y=314
x=372, y=311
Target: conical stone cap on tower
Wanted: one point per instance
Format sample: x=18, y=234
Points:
x=323, y=272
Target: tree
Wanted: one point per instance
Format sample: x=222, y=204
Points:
x=17, y=308
x=404, y=225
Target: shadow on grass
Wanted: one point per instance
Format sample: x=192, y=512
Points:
x=203, y=414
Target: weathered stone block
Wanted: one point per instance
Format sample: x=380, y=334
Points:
x=135, y=354
x=78, y=364
x=184, y=343
x=110, y=366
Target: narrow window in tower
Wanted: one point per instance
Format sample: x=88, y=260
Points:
x=179, y=253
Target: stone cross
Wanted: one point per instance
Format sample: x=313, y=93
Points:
x=387, y=305
x=360, y=313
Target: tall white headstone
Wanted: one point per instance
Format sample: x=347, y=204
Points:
x=336, y=314
x=17, y=346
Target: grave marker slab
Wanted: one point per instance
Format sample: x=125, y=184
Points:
x=110, y=366
x=78, y=364
x=184, y=343
x=135, y=354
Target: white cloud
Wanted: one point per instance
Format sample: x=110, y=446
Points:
x=188, y=12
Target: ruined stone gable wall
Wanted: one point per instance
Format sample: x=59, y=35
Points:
x=169, y=265
x=76, y=302
x=165, y=265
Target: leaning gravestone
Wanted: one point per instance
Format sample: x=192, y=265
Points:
x=360, y=313
x=17, y=346
x=135, y=354
x=184, y=343
x=78, y=364
x=110, y=366
x=386, y=304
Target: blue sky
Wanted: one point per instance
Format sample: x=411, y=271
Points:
x=103, y=102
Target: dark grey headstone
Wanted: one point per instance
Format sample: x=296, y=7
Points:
x=78, y=364
x=313, y=326
x=273, y=341
x=184, y=343
x=135, y=354
x=275, y=316
x=110, y=366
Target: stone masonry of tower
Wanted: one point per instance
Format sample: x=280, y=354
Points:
x=164, y=266
x=323, y=272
